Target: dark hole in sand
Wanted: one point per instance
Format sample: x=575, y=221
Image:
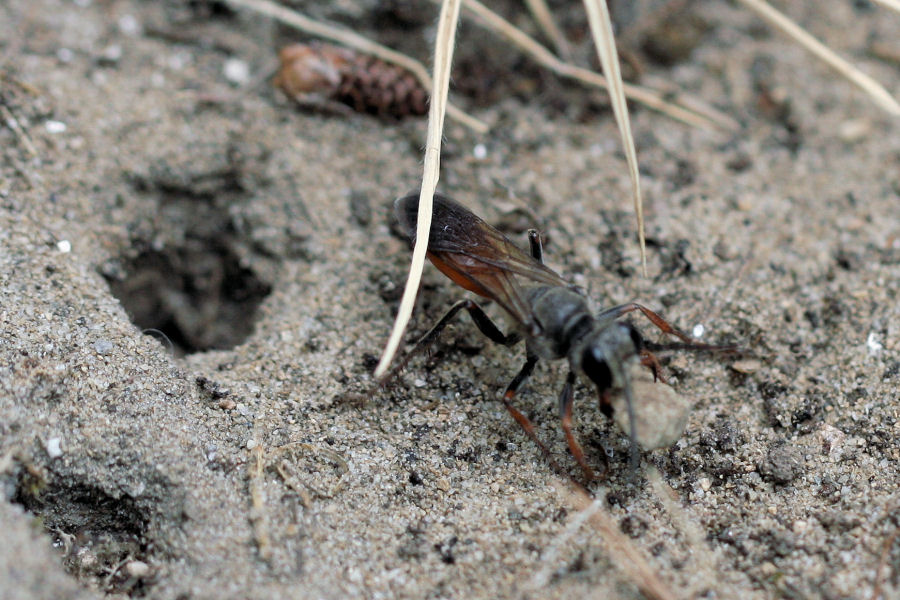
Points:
x=96, y=534
x=198, y=295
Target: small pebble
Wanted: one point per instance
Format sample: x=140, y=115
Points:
x=873, y=344
x=64, y=246
x=111, y=54
x=854, y=130
x=55, y=126
x=54, y=450
x=103, y=347
x=705, y=484
x=236, y=71
x=129, y=25
x=750, y=365
x=137, y=569
x=65, y=55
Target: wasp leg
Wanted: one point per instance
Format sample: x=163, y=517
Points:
x=520, y=418
x=537, y=246
x=663, y=325
x=566, y=400
x=482, y=321
x=649, y=360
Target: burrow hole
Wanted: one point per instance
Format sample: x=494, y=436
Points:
x=189, y=283
x=96, y=535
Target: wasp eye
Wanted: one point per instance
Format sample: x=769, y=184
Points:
x=595, y=367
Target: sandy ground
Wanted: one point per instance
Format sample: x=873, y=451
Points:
x=249, y=459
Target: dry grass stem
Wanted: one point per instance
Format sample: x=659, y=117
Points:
x=880, y=574
x=258, y=517
x=542, y=16
x=443, y=58
x=801, y=36
x=649, y=98
x=357, y=42
x=892, y=4
x=601, y=28
x=703, y=562
x=13, y=123
x=290, y=452
x=663, y=88
x=620, y=550
x=550, y=558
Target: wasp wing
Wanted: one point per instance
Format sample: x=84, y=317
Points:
x=475, y=255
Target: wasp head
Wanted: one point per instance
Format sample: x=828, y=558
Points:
x=605, y=356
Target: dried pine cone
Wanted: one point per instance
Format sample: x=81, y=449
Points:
x=366, y=84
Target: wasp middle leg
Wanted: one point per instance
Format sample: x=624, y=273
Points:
x=526, y=424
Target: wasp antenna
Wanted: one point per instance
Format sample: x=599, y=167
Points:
x=690, y=346
x=634, y=460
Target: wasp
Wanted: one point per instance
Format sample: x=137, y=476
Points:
x=552, y=316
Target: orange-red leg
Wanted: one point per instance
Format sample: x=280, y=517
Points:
x=663, y=325
x=566, y=401
x=649, y=360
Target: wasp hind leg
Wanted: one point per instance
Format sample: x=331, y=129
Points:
x=662, y=324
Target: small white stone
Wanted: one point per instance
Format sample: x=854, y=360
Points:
x=112, y=53
x=236, y=71
x=251, y=444
x=64, y=246
x=705, y=483
x=479, y=151
x=55, y=126
x=54, y=450
x=129, y=25
x=64, y=55
x=873, y=344
x=854, y=130
x=698, y=330
x=137, y=569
